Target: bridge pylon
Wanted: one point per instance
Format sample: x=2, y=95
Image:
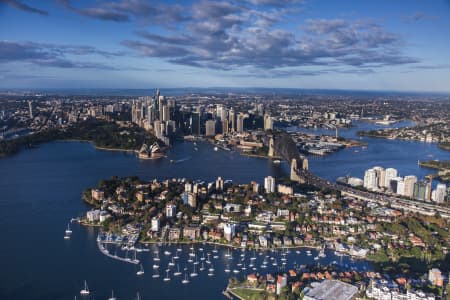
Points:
x=271, y=149
x=294, y=176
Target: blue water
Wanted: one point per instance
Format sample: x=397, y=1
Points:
x=401, y=155
x=40, y=191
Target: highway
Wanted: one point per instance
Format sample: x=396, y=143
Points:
x=423, y=208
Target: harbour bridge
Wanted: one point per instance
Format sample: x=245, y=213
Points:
x=282, y=145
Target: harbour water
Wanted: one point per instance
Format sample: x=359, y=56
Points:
x=401, y=155
x=40, y=191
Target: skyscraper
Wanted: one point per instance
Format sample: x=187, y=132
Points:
x=232, y=117
x=440, y=193
x=171, y=210
x=210, y=128
x=390, y=173
x=381, y=175
x=370, y=179
x=410, y=180
x=165, y=114
x=225, y=126
x=420, y=190
x=219, y=184
x=30, y=108
x=240, y=123
x=269, y=184
x=268, y=122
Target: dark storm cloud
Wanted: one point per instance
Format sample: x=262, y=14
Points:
x=51, y=55
x=25, y=7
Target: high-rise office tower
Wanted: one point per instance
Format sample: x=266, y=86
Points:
x=240, y=123
x=151, y=114
x=232, y=117
x=268, y=122
x=210, y=128
x=225, y=126
x=165, y=113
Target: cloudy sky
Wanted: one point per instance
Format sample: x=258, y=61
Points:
x=365, y=45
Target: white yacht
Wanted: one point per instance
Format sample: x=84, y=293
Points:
x=155, y=275
x=185, y=280
x=85, y=291
x=112, y=296
x=194, y=273
x=167, y=278
x=177, y=273
x=141, y=271
x=68, y=230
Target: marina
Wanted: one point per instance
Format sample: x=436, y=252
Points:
x=60, y=165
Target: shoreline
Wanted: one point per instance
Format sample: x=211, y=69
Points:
x=438, y=144
x=98, y=147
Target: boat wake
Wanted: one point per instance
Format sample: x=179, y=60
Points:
x=181, y=160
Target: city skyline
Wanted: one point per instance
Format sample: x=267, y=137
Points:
x=257, y=43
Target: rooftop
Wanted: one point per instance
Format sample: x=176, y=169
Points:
x=331, y=289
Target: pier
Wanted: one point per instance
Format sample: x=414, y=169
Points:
x=106, y=252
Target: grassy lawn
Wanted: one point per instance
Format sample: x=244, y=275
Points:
x=250, y=294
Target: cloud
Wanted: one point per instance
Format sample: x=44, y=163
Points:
x=128, y=10
x=51, y=55
x=277, y=3
x=430, y=67
x=229, y=35
x=418, y=16
x=226, y=36
x=22, y=6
